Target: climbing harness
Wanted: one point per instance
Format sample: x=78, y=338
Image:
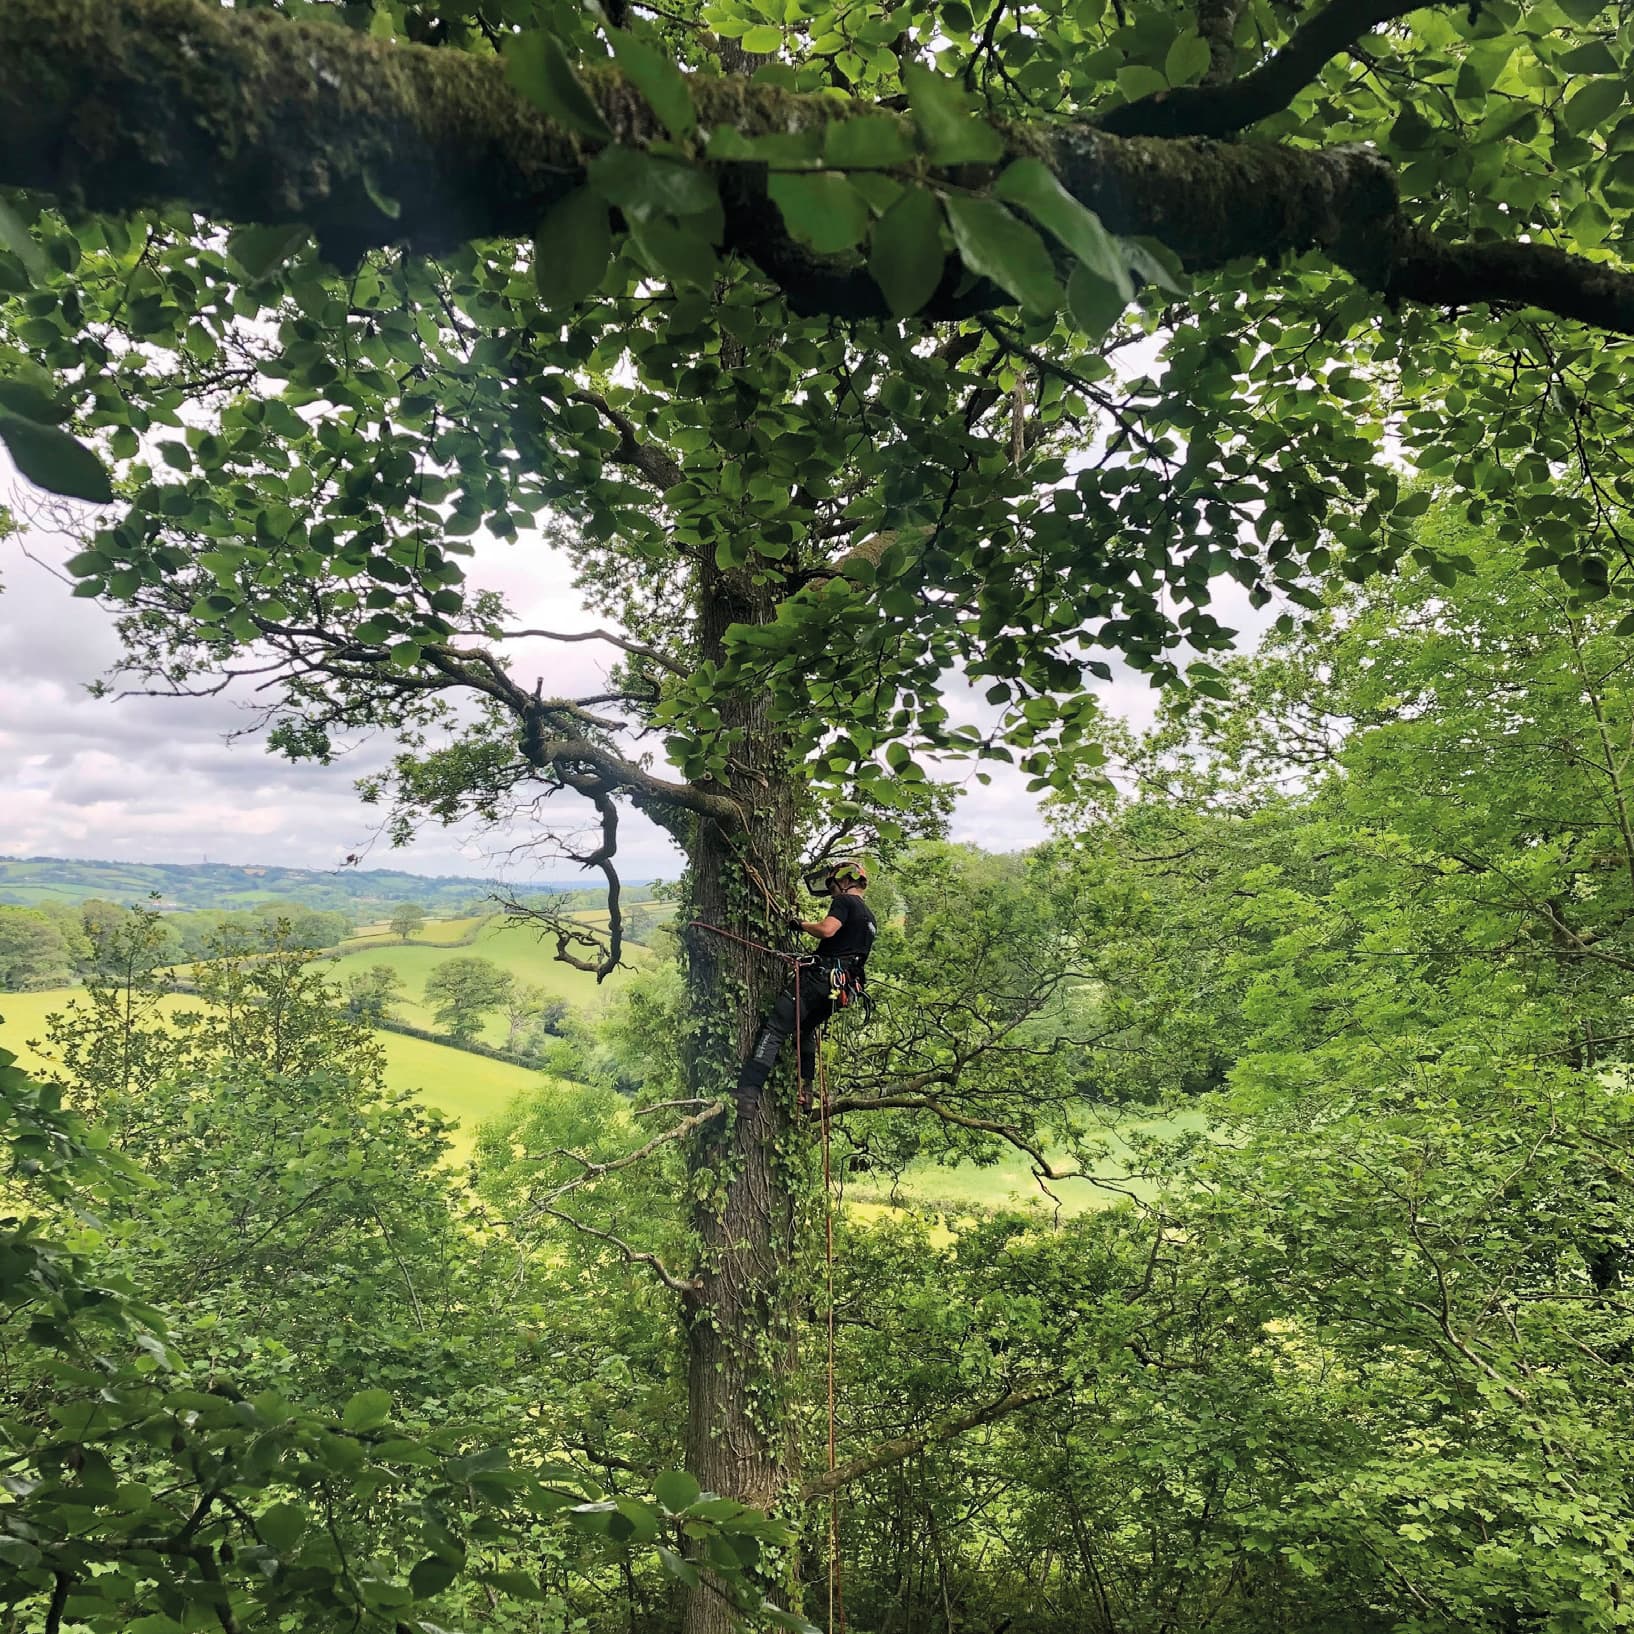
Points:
x=845, y=987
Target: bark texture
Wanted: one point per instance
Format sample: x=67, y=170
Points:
x=738, y=1321
x=250, y=117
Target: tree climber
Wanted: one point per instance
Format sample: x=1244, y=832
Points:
x=832, y=976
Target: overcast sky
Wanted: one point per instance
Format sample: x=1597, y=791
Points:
x=156, y=779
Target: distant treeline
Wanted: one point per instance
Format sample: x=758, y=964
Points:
x=54, y=944
x=364, y=894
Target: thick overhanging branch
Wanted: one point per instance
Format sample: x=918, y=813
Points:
x=661, y=469
x=904, y=1447
x=567, y=755
x=570, y=933
x=250, y=117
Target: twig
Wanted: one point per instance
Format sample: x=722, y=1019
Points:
x=634, y=1256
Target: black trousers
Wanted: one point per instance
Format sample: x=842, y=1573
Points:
x=816, y=1006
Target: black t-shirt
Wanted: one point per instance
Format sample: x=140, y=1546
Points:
x=855, y=937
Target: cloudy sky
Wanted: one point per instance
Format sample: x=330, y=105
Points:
x=157, y=779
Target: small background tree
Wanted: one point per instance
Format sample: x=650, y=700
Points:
x=407, y=918
x=461, y=992
x=371, y=993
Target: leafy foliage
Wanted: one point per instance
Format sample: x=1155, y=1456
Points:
x=836, y=369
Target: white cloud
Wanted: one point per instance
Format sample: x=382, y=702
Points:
x=165, y=779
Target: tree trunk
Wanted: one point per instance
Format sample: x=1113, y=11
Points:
x=738, y=1322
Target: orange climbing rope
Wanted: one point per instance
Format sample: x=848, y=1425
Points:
x=836, y=1586
x=836, y=1591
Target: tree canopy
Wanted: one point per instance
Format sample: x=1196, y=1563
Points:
x=846, y=357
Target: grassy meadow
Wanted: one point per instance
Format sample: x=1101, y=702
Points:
x=435, y=932
x=473, y=1089
x=467, y=1087
x=514, y=948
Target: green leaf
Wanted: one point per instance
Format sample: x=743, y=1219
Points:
x=777, y=1617
x=432, y=1575
x=682, y=256
x=261, y=250
x=20, y=241
x=1033, y=185
x=761, y=40
x=654, y=73
x=646, y=184
x=53, y=460
x=538, y=67
x=17, y=1552
x=1094, y=304
x=872, y=142
x=574, y=245
x=905, y=255
x=1138, y=80
x=29, y=402
x=1594, y=57
x=675, y=1489
x=1154, y=263
x=998, y=245
x=1187, y=61
x=281, y=1526
x=820, y=208
x=952, y=133
x=367, y=1410
x=1592, y=107
x=677, y=1567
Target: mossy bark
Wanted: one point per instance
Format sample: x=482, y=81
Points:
x=737, y=1322
x=252, y=117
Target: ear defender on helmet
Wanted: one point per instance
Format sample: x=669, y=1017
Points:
x=829, y=880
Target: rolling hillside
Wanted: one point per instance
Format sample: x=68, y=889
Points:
x=364, y=893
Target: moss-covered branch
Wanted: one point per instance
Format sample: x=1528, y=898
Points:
x=1224, y=105
x=248, y=116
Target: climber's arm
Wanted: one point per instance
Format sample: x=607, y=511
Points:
x=823, y=928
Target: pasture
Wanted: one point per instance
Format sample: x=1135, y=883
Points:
x=516, y=949
x=470, y=1088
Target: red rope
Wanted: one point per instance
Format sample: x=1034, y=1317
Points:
x=759, y=947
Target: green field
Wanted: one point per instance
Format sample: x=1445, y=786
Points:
x=514, y=948
x=435, y=933
x=470, y=1088
x=1009, y=1182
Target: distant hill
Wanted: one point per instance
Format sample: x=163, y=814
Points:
x=362, y=893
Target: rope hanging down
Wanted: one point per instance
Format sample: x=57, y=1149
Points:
x=836, y=1594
